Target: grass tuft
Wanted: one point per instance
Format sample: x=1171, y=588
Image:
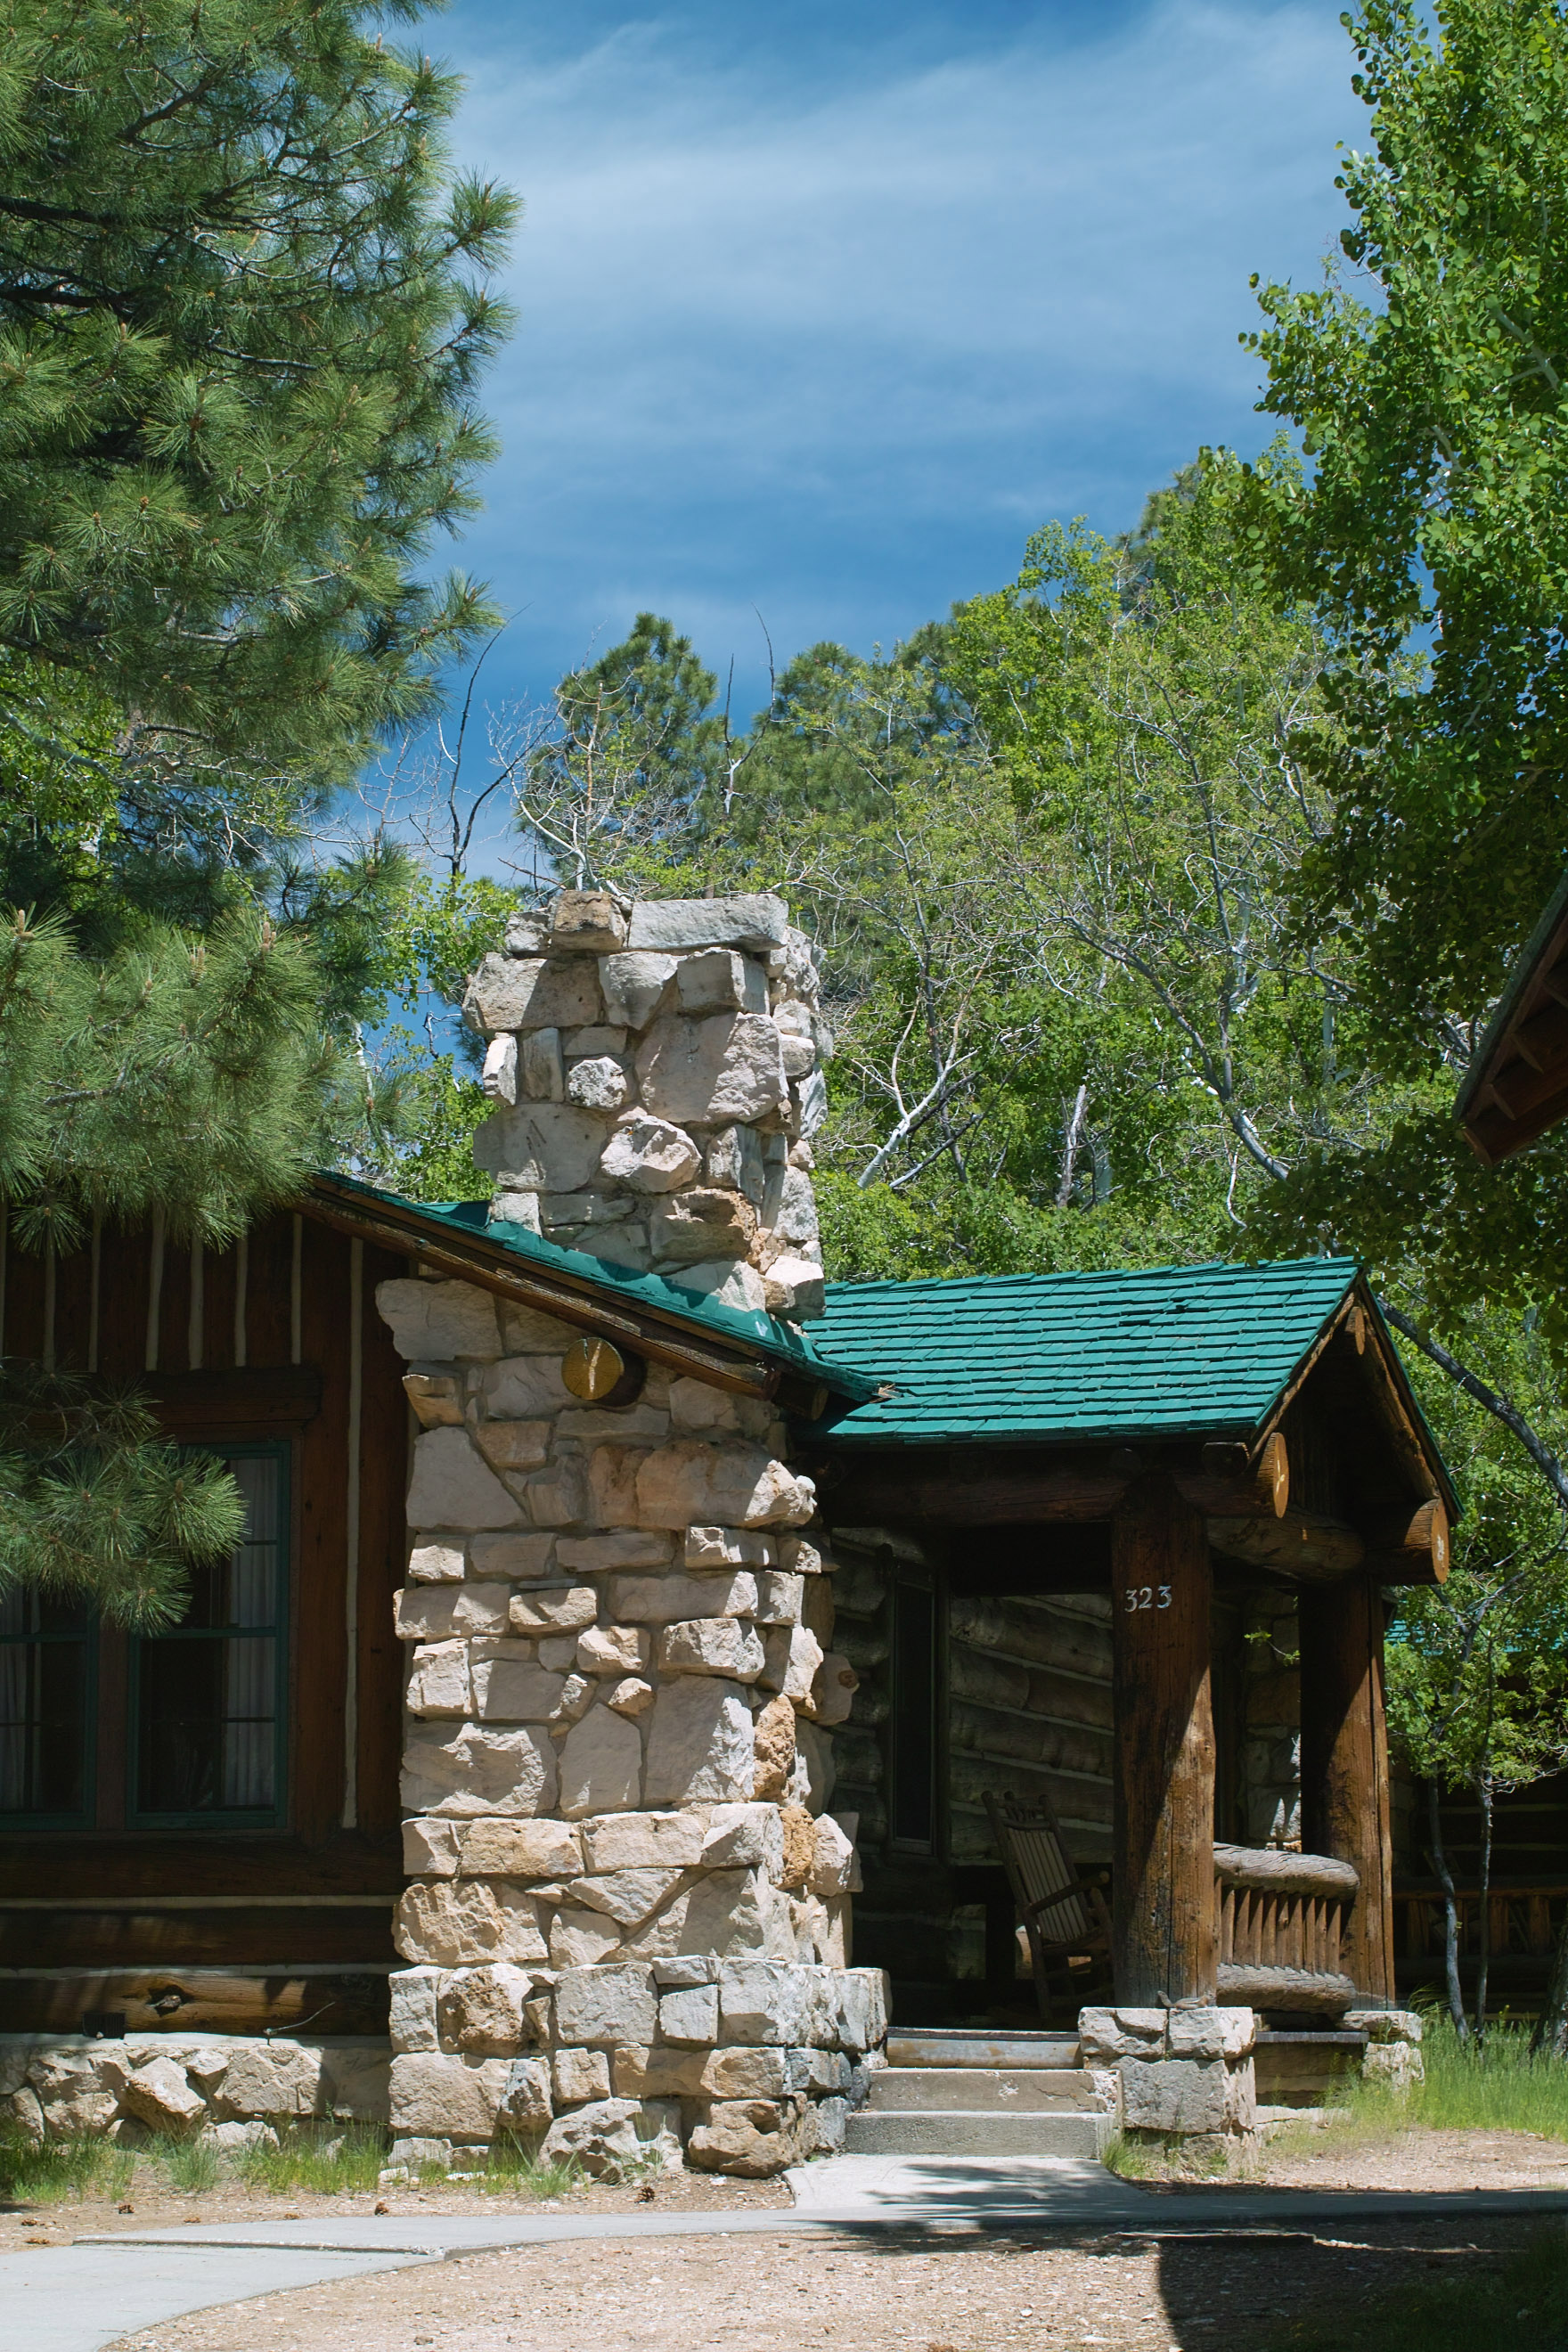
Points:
x=514, y=2171
x=1472, y=2315
x=64, y=2172
x=327, y=2159
x=192, y=2165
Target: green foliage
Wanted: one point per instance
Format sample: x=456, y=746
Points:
x=326, y=2159
x=64, y=2172
x=193, y=2164
x=95, y=1506
x=238, y=348
x=1435, y=512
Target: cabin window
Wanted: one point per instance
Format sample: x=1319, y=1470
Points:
x=46, y=1678
x=912, y=1814
x=207, y=1717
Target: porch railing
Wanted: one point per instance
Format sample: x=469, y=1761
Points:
x=1282, y=1923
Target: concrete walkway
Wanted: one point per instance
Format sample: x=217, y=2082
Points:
x=80, y=2298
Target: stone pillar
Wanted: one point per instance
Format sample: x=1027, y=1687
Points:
x=1162, y=1888
x=627, y=1916
x=1183, y=2072
x=1344, y=1765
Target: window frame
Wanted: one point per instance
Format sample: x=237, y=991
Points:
x=912, y=1742
x=255, y=1817
x=85, y=1816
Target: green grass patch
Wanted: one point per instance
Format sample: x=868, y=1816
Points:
x=513, y=2171
x=1525, y=2302
x=1499, y=2088
x=327, y=2159
x=64, y=2172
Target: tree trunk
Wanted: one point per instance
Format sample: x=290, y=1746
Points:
x=1485, y=1793
x=1451, y=1918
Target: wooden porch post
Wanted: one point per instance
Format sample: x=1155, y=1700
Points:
x=1344, y=1763
x=1163, y=1897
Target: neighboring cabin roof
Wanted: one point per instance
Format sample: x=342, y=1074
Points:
x=464, y=1226
x=1204, y=1351
x=1517, y=1085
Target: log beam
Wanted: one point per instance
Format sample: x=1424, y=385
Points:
x=1301, y=1543
x=1163, y=1927
x=1344, y=1765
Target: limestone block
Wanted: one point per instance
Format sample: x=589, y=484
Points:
x=479, y=2010
x=796, y=1552
x=415, y=1993
x=507, y=1208
x=509, y=1685
x=648, y=1155
x=728, y=1281
x=748, y=2138
x=598, y=1083
x=587, y=922
x=438, y=1322
x=435, y=1563
x=661, y=1600
x=774, y=1749
x=833, y=1690
x=622, y=1548
x=696, y=1410
x=21, y=2115
x=556, y=1498
x=527, y=1331
x=429, y=1848
x=521, y=1388
x=717, y=980
x=525, y=992
x=582, y=1940
x=779, y=1597
x=717, y=1548
x=1202, y=2030
x=1174, y=2094
x=658, y=2074
x=579, y=2075
x=792, y=1222
x=1384, y=2025
x=578, y=1210
x=554, y=1608
x=691, y=1227
x=436, y=1612
x=808, y=1101
x=796, y=1289
x=439, y=1683
x=699, y=1747
x=711, y=1645
x=158, y=2095
x=410, y=2159
x=577, y=1696
x=1395, y=2067
x=686, y=1969
x=515, y=1557
x=471, y=1769
x=735, y=1913
x=206, y=2068
x=735, y=2073
x=498, y=1076
x=513, y=1849
x=817, y=1609
x=601, y=1765
x=812, y=1777
x=600, y=1037
x=862, y=2002
x=78, y=2090
x=734, y=1158
x=600, y=2007
x=513, y=1444
x=542, y=1076
x=435, y=1398
x=459, y=2098
x=642, y=1841
x=603, y=2138
x=633, y=984
x=799, y=1834
x=452, y=1487
x=758, y=921
x=744, y=1837
x=691, y=2015
x=835, y=1868
x=239, y=2140
x=791, y=1659
x=461, y=1922
x=626, y=1897
x=527, y=2107
x=540, y=1147
x=630, y=1697
x=612, y=1484
x=527, y=933
x=815, y=2072
x=612, y=1650
x=710, y=1071
x=272, y=2079
x=690, y=1483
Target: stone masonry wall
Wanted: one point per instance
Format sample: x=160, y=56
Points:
x=628, y=1912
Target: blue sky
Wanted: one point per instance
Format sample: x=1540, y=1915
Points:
x=824, y=308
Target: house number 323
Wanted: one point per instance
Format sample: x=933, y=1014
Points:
x=1142, y=1596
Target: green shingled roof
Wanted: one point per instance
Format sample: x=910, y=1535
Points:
x=762, y=1334
x=1204, y=1349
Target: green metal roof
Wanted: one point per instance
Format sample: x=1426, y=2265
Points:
x=762, y=1334
x=1204, y=1350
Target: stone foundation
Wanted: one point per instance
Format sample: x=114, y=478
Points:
x=1392, y=2054
x=1174, y=2073
x=224, y=2089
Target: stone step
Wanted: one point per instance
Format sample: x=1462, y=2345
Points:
x=985, y=2050
x=1033, y=2090
x=957, y=2131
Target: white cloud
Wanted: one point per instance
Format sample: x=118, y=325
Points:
x=832, y=352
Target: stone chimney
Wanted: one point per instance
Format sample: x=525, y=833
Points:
x=657, y=1075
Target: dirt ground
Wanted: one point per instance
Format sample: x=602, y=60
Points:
x=1415, y=2159
x=846, y=2289
x=156, y=2207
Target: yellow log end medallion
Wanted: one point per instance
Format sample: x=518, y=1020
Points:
x=593, y=1368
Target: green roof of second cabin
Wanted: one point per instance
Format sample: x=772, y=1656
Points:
x=1206, y=1350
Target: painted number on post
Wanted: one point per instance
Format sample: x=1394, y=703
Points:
x=1142, y=1596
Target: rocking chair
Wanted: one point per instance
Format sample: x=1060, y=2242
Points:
x=1064, y=1916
